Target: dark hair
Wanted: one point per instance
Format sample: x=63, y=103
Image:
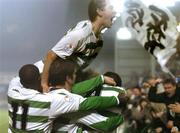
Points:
x=93, y=6
x=169, y=81
x=29, y=76
x=115, y=76
x=59, y=70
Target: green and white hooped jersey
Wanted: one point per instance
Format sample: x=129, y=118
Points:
x=29, y=114
x=79, y=44
x=93, y=120
x=32, y=111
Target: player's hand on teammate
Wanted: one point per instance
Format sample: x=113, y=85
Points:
x=45, y=87
x=109, y=81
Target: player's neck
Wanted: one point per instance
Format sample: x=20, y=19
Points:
x=66, y=87
x=96, y=27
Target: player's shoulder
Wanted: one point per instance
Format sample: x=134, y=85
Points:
x=82, y=29
x=58, y=94
x=43, y=97
x=62, y=94
x=14, y=83
x=83, y=25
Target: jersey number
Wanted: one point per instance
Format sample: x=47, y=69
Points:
x=23, y=117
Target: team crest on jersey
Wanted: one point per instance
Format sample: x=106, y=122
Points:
x=67, y=98
x=70, y=46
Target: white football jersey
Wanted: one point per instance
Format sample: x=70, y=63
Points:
x=79, y=44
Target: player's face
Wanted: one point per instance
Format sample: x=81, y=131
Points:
x=108, y=14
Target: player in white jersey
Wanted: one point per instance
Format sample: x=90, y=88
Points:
x=31, y=111
x=90, y=119
x=92, y=87
x=82, y=43
x=85, y=89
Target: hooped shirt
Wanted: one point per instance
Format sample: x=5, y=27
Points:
x=79, y=44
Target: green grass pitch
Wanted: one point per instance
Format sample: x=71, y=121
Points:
x=4, y=121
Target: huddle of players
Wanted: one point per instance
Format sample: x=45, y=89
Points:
x=58, y=109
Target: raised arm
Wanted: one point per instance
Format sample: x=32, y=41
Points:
x=153, y=96
x=63, y=49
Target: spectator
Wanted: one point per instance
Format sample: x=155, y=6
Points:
x=171, y=95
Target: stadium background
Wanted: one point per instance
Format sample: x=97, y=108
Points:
x=30, y=28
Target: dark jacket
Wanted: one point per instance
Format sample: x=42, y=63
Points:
x=163, y=98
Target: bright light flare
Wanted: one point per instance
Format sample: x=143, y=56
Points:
x=118, y=6
x=123, y=34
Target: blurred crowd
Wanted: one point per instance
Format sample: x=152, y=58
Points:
x=153, y=105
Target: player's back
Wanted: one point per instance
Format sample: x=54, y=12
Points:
x=29, y=111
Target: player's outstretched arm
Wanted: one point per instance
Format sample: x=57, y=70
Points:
x=84, y=87
x=98, y=103
x=67, y=103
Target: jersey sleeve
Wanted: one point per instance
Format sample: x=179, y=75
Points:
x=87, y=86
x=63, y=103
x=98, y=103
x=66, y=103
x=66, y=46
